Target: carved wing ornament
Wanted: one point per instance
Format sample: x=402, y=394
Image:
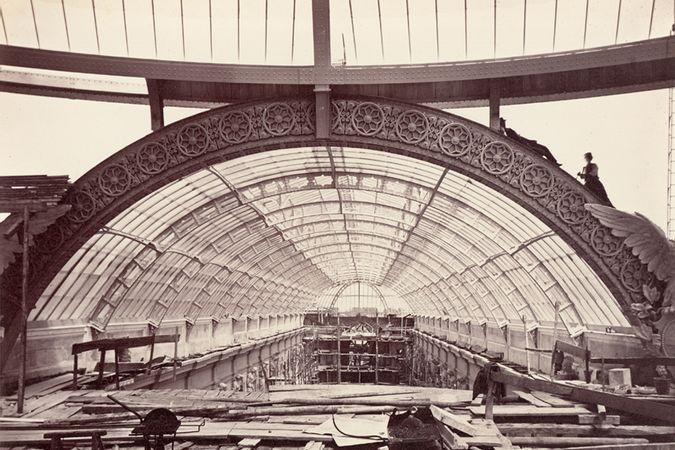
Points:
x=649, y=243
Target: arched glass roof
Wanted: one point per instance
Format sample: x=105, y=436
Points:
x=277, y=230
x=362, y=298
x=363, y=32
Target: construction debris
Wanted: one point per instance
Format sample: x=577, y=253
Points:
x=321, y=416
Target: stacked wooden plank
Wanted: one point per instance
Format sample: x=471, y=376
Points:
x=534, y=419
x=321, y=416
x=37, y=192
x=301, y=414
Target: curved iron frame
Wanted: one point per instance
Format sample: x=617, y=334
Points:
x=290, y=123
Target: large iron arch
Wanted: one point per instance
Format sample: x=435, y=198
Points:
x=415, y=131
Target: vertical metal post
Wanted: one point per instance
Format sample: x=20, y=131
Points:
x=358, y=296
x=466, y=30
x=266, y=27
x=24, y=316
x=210, y=29
x=117, y=368
x=651, y=19
x=671, y=165
x=98, y=40
x=293, y=35
x=322, y=102
x=586, y=23
x=438, y=41
x=351, y=17
x=555, y=25
x=407, y=16
x=154, y=25
x=175, y=353
x=37, y=33
x=416, y=341
x=618, y=22
x=554, y=338
x=377, y=347
x=494, y=29
x=101, y=366
x=527, y=352
x=339, y=354
x=490, y=397
x=152, y=353
x=524, y=23
x=494, y=106
x=156, y=103
x=75, y=371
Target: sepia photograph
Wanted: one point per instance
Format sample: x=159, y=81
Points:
x=328, y=224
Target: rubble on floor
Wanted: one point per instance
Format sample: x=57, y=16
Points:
x=319, y=417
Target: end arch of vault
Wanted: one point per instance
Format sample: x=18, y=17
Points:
x=428, y=134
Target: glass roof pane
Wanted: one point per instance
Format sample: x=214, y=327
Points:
x=635, y=18
x=423, y=30
x=472, y=249
x=139, y=29
x=480, y=30
x=252, y=31
x=601, y=22
x=366, y=29
x=81, y=26
x=570, y=25
x=303, y=53
x=539, y=28
x=394, y=30
x=510, y=28
x=198, y=30
x=109, y=18
x=49, y=19
x=365, y=32
x=18, y=20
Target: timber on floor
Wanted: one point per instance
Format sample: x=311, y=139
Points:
x=327, y=417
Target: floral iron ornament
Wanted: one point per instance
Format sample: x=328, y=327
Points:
x=649, y=243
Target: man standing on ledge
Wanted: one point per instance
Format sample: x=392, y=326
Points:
x=589, y=173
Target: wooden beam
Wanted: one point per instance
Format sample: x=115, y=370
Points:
x=531, y=399
x=552, y=400
x=112, y=344
x=599, y=419
x=567, y=441
x=523, y=410
x=571, y=349
x=35, y=192
x=24, y=314
x=450, y=440
x=565, y=429
x=661, y=360
x=123, y=366
x=647, y=408
x=453, y=421
x=659, y=446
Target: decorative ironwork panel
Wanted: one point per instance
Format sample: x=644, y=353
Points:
x=419, y=132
